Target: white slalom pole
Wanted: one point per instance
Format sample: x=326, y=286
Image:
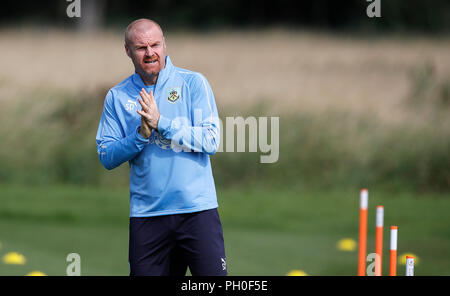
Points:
x=409, y=266
x=379, y=240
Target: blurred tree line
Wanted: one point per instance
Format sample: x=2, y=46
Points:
x=396, y=15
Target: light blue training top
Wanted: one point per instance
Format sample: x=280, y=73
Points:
x=170, y=172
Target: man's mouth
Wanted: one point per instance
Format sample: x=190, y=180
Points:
x=150, y=62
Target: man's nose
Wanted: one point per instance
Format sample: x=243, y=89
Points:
x=149, y=51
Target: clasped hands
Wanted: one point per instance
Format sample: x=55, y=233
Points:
x=149, y=113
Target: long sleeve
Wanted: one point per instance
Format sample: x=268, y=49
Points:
x=202, y=133
x=113, y=147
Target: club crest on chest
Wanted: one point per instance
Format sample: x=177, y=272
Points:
x=173, y=94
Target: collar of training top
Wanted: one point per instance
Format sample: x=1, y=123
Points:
x=162, y=77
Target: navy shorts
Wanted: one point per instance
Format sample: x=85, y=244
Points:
x=168, y=245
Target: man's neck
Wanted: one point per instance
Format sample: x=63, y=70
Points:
x=148, y=79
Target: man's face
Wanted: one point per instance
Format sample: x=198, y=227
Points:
x=147, y=49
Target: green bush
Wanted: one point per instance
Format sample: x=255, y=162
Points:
x=57, y=145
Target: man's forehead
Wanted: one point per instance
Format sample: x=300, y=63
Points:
x=145, y=36
x=144, y=31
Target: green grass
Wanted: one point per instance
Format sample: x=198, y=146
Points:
x=267, y=231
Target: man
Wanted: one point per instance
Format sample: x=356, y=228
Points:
x=163, y=120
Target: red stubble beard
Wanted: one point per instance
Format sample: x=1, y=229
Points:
x=147, y=69
x=152, y=69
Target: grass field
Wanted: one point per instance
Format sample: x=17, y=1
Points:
x=267, y=231
x=354, y=112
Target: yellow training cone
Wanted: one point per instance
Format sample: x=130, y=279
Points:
x=402, y=258
x=296, y=272
x=36, y=273
x=346, y=245
x=14, y=258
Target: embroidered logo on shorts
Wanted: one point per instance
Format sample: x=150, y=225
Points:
x=224, y=264
x=173, y=94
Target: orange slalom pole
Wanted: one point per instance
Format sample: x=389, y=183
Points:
x=393, y=251
x=363, y=204
x=379, y=241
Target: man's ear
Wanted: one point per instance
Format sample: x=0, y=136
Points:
x=127, y=50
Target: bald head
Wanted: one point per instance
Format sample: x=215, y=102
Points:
x=141, y=26
x=145, y=45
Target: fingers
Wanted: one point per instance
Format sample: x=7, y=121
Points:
x=152, y=98
x=148, y=97
x=144, y=115
x=149, y=110
x=144, y=96
x=144, y=106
